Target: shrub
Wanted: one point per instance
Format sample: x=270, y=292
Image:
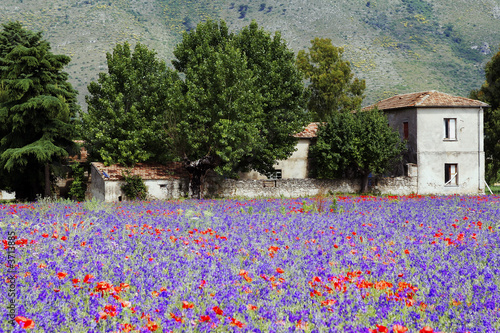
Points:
x=134, y=187
x=78, y=187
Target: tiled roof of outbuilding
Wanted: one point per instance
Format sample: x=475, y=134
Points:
x=147, y=171
x=82, y=157
x=310, y=131
x=427, y=99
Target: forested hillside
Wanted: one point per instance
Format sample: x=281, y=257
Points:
x=396, y=45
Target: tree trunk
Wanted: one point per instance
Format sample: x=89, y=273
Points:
x=47, y=180
x=198, y=169
x=364, y=182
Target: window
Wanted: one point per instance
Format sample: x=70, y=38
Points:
x=451, y=175
x=405, y=130
x=450, y=128
x=274, y=175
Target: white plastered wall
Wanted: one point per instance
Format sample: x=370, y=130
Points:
x=296, y=166
x=434, y=151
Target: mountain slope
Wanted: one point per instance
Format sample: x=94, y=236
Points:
x=398, y=46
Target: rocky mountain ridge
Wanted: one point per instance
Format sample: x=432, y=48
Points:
x=397, y=46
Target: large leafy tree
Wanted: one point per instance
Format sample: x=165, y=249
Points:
x=243, y=100
x=37, y=104
x=332, y=87
x=355, y=145
x=130, y=118
x=490, y=93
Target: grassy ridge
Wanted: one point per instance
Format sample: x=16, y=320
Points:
x=396, y=45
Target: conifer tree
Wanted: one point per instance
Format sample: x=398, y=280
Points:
x=37, y=105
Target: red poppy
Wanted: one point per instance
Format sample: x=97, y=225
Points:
x=251, y=307
x=205, y=319
x=187, y=305
x=399, y=329
x=87, y=278
x=152, y=326
x=64, y=238
x=125, y=304
x=235, y=322
x=110, y=310
x=103, y=287
x=176, y=318
x=126, y=327
x=328, y=302
x=102, y=315
x=382, y=329
x=279, y=270
x=25, y=322
x=218, y=310
x=426, y=329
x=61, y=275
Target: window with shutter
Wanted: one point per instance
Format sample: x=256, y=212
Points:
x=451, y=174
x=450, y=128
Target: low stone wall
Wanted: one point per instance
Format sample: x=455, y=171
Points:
x=219, y=187
x=224, y=188
x=395, y=185
x=4, y=195
x=248, y=188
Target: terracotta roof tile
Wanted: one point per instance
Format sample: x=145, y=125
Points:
x=147, y=171
x=82, y=157
x=310, y=131
x=431, y=98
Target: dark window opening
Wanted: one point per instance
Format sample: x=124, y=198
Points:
x=450, y=174
x=276, y=174
x=405, y=130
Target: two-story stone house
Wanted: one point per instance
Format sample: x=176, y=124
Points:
x=445, y=140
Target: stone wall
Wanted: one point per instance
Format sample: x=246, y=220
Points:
x=395, y=185
x=220, y=187
x=4, y=195
x=224, y=188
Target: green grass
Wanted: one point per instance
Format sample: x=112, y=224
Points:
x=495, y=189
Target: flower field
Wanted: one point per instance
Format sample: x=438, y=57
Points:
x=336, y=264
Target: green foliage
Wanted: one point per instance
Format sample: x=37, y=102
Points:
x=490, y=93
x=37, y=104
x=355, y=145
x=242, y=97
x=333, y=87
x=134, y=187
x=334, y=206
x=78, y=187
x=418, y=7
x=130, y=117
